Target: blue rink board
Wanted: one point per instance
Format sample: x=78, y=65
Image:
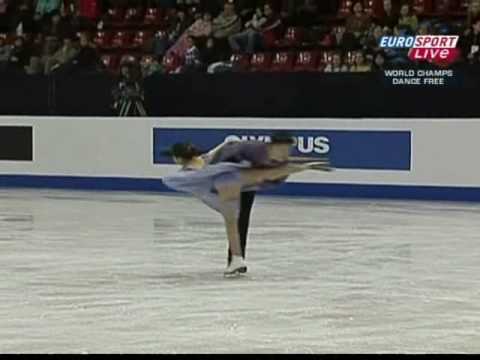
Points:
x=347, y=149
x=406, y=192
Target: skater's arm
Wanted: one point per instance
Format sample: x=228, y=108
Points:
x=212, y=153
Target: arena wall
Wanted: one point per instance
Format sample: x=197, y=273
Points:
x=374, y=158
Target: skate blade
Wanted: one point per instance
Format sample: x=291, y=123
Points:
x=235, y=273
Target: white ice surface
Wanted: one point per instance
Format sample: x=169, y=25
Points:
x=100, y=272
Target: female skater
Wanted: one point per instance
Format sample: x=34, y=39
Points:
x=220, y=186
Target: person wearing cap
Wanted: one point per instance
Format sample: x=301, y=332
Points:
x=219, y=182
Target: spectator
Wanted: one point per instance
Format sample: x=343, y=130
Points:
x=336, y=65
x=307, y=13
x=35, y=67
x=378, y=61
x=178, y=25
x=473, y=12
x=151, y=66
x=343, y=40
x=225, y=25
x=360, y=63
x=209, y=53
x=246, y=8
x=38, y=55
x=408, y=18
x=19, y=55
x=359, y=22
x=59, y=26
x=165, y=4
x=470, y=44
x=89, y=9
x=250, y=36
x=399, y=55
x=192, y=61
x=5, y=51
x=201, y=28
x=23, y=21
x=3, y=16
x=79, y=23
x=256, y=30
x=212, y=6
x=87, y=59
x=160, y=44
x=373, y=41
x=46, y=7
x=63, y=56
x=271, y=30
x=424, y=29
x=389, y=17
x=50, y=47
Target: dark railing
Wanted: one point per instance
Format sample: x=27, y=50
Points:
x=247, y=95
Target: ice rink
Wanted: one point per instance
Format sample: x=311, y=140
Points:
x=120, y=272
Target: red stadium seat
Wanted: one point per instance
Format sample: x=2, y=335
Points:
x=140, y=39
x=421, y=6
x=260, y=62
x=121, y=40
x=110, y=61
x=368, y=6
x=147, y=59
x=240, y=62
x=440, y=6
x=306, y=61
x=128, y=59
x=345, y=8
x=114, y=17
x=325, y=58
x=153, y=16
x=12, y=37
x=293, y=37
x=133, y=16
x=463, y=5
x=283, y=61
x=349, y=58
x=102, y=39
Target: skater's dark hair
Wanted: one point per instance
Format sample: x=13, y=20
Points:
x=186, y=151
x=282, y=138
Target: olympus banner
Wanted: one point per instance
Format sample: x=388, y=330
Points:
x=347, y=149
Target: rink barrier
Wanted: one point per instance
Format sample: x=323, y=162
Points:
x=16, y=143
x=374, y=158
x=347, y=191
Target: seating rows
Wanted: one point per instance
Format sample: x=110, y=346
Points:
x=282, y=61
x=117, y=17
x=127, y=39
x=421, y=7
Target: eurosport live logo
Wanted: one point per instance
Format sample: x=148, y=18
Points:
x=439, y=50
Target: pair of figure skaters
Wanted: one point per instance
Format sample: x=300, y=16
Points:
x=227, y=178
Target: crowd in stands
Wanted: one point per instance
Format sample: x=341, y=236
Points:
x=42, y=37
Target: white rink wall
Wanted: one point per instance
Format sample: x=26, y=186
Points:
x=442, y=153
